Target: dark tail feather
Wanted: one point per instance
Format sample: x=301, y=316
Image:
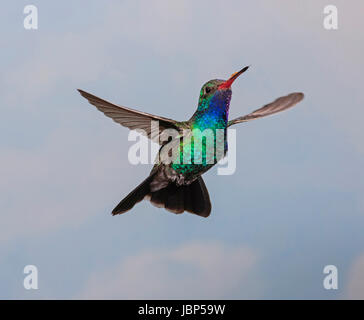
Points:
x=200, y=199
x=193, y=198
x=133, y=197
x=175, y=199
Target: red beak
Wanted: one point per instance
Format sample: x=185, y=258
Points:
x=227, y=84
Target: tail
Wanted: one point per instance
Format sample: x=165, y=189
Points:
x=137, y=195
x=193, y=198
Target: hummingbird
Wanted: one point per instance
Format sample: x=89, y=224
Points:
x=174, y=185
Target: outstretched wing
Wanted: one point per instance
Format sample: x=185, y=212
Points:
x=278, y=105
x=130, y=118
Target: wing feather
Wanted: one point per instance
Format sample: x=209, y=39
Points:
x=278, y=105
x=130, y=118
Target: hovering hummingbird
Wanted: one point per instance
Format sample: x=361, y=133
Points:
x=177, y=186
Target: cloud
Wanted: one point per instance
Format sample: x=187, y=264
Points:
x=193, y=271
x=355, y=286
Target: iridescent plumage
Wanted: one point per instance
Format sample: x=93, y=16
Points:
x=211, y=115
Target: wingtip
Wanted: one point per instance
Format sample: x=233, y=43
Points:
x=301, y=95
x=298, y=96
x=85, y=94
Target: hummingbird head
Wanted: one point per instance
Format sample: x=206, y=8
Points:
x=218, y=90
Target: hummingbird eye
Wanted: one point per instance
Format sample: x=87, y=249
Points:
x=207, y=89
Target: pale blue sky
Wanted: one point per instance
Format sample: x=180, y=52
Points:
x=294, y=205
